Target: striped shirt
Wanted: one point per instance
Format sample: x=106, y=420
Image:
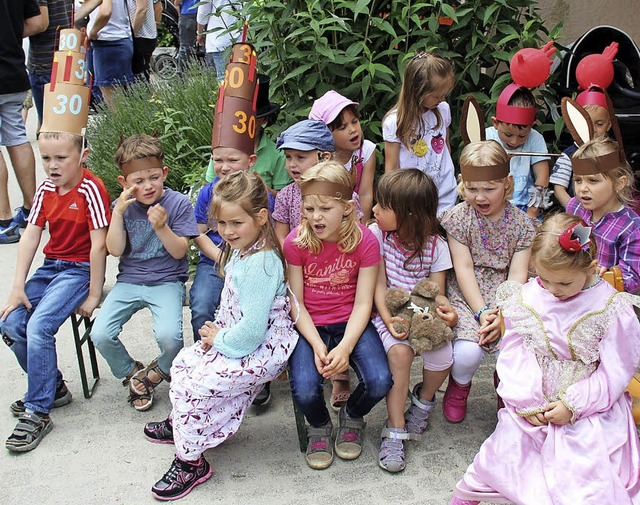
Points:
x=44, y=44
x=618, y=239
x=71, y=216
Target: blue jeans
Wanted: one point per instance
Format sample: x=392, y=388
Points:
x=368, y=359
x=165, y=303
x=204, y=296
x=216, y=60
x=38, y=83
x=55, y=290
x=112, y=62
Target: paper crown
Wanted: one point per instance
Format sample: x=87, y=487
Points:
x=595, y=73
x=66, y=97
x=529, y=69
x=234, y=121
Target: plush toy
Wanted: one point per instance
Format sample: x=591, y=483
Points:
x=417, y=309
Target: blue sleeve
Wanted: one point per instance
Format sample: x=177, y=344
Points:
x=203, y=203
x=258, y=279
x=183, y=222
x=537, y=144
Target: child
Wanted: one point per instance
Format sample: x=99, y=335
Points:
x=489, y=240
x=215, y=380
x=416, y=130
x=566, y=435
x=407, y=229
x=604, y=193
x=150, y=231
x=513, y=129
x=74, y=204
x=595, y=104
x=357, y=154
x=332, y=268
x=305, y=144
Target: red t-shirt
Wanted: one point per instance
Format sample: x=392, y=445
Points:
x=331, y=277
x=71, y=216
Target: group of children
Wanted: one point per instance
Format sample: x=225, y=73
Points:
x=300, y=279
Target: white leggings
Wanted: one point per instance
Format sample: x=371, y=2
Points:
x=467, y=357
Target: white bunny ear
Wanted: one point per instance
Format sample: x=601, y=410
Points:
x=577, y=120
x=471, y=122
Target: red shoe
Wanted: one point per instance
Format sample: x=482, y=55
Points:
x=454, y=403
x=496, y=381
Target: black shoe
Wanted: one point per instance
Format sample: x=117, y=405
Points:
x=159, y=433
x=263, y=396
x=181, y=478
x=63, y=397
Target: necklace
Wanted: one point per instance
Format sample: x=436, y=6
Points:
x=258, y=244
x=500, y=241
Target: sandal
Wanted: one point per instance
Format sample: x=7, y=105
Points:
x=29, y=432
x=391, y=455
x=142, y=378
x=138, y=366
x=417, y=416
x=339, y=398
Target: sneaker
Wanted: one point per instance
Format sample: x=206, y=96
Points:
x=63, y=397
x=159, y=433
x=9, y=234
x=29, y=432
x=319, y=447
x=349, y=436
x=21, y=217
x=181, y=478
x=263, y=396
x=417, y=416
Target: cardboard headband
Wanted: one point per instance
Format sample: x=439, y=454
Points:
x=137, y=165
x=513, y=114
x=580, y=126
x=326, y=188
x=234, y=123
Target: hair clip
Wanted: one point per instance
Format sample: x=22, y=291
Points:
x=575, y=238
x=421, y=54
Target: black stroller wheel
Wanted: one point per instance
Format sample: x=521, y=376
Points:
x=165, y=66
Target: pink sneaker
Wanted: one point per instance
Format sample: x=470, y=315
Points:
x=454, y=402
x=458, y=501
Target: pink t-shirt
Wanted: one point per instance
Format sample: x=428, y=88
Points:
x=330, y=278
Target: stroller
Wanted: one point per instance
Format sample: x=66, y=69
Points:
x=625, y=88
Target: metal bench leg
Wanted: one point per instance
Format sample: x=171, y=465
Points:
x=80, y=340
x=301, y=426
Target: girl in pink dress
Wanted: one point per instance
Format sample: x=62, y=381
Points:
x=215, y=380
x=570, y=347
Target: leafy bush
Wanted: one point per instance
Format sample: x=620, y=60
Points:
x=361, y=47
x=179, y=110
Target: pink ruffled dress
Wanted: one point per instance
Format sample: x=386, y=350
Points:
x=582, y=351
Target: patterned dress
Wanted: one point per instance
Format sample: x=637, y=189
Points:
x=211, y=392
x=492, y=245
x=582, y=351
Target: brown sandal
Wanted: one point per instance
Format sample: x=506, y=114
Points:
x=142, y=378
x=139, y=366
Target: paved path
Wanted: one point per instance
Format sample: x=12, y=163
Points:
x=96, y=453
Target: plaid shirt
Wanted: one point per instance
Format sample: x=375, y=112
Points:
x=618, y=238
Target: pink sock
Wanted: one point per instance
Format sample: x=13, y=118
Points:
x=459, y=501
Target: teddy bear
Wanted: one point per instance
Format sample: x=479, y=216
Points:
x=417, y=309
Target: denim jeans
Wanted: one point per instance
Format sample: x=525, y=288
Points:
x=187, y=27
x=204, y=296
x=216, y=60
x=55, y=290
x=165, y=303
x=38, y=83
x=368, y=359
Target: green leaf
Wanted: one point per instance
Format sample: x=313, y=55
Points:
x=489, y=12
x=449, y=12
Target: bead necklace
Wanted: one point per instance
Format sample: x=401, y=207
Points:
x=501, y=241
x=258, y=244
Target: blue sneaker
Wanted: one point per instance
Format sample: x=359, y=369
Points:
x=21, y=217
x=9, y=234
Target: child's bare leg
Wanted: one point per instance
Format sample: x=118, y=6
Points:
x=400, y=358
x=431, y=383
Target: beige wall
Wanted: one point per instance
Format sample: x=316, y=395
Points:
x=581, y=15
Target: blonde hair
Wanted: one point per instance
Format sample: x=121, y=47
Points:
x=425, y=73
x=592, y=107
x=76, y=139
x=546, y=248
x=349, y=233
x=485, y=154
x=595, y=148
x=137, y=147
x=248, y=191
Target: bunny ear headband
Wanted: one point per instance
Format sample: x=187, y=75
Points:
x=581, y=128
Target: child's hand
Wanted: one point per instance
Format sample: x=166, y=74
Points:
x=157, y=216
x=557, y=413
x=537, y=419
x=338, y=362
x=600, y=270
x=389, y=324
x=208, y=333
x=320, y=357
x=16, y=298
x=125, y=199
x=490, y=321
x=448, y=314
x=533, y=212
x=88, y=306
